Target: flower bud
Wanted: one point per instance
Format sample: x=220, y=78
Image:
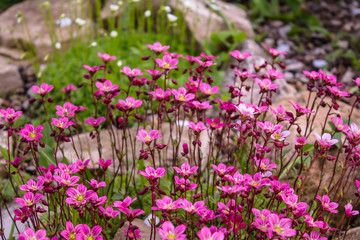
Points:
x=145, y=58
x=196, y=196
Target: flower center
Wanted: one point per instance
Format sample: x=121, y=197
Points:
x=171, y=235
x=80, y=198
x=166, y=65
x=33, y=135
x=72, y=236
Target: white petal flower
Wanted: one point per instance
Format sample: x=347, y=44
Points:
x=119, y=63
x=58, y=45
x=171, y=17
x=93, y=44
x=147, y=13
x=167, y=9
x=148, y=219
x=64, y=22
x=80, y=21
x=113, y=34
x=114, y=7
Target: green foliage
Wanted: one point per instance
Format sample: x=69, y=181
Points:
x=5, y=4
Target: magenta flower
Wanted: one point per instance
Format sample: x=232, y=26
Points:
x=200, y=106
x=124, y=204
x=157, y=47
x=240, y=56
x=29, y=199
x=133, y=234
x=70, y=232
x=274, y=52
x=105, y=164
x=95, y=200
x=278, y=135
x=215, y=123
x=66, y=180
x=281, y=227
x=31, y=133
x=238, y=178
x=244, y=75
x=301, y=141
x=182, y=95
x=86, y=234
x=48, y=178
x=197, y=127
x=78, y=196
x=69, y=169
x=313, y=76
x=326, y=204
x=265, y=164
x=258, y=181
x=68, y=89
x=325, y=141
x=62, y=123
x=205, y=64
x=32, y=186
x=231, y=189
x=68, y=110
x=29, y=234
x=193, y=208
x=167, y=62
x=95, y=122
x=129, y=104
x=349, y=210
x=22, y=214
x=186, y=170
x=206, y=234
x=95, y=185
x=131, y=73
x=106, y=87
x=268, y=127
x=106, y=57
x=82, y=165
x=160, y=94
x=184, y=184
x=207, y=89
x=151, y=174
x=109, y=212
x=222, y=169
x=266, y=84
x=314, y=235
x=146, y=137
x=340, y=126
x=43, y=89
x=167, y=204
x=280, y=114
x=131, y=214
x=168, y=232
x=16, y=162
x=311, y=223
x=92, y=70
x=357, y=81
x=10, y=115
x=246, y=112
x=337, y=93
x=155, y=74
x=273, y=74
x=300, y=110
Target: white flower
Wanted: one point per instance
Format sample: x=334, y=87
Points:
x=58, y=45
x=93, y=44
x=171, y=17
x=167, y=9
x=64, y=22
x=189, y=4
x=80, y=21
x=148, y=219
x=214, y=7
x=147, y=13
x=135, y=0
x=114, y=7
x=113, y=34
x=119, y=63
x=120, y=3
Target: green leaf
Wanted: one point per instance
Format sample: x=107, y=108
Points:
x=46, y=157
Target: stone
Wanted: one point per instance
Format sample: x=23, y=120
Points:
x=284, y=30
x=10, y=78
x=294, y=65
x=276, y=23
x=145, y=231
x=7, y=220
x=353, y=234
x=319, y=63
x=348, y=76
x=343, y=44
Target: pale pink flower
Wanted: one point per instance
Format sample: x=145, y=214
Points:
x=182, y=95
x=146, y=137
x=168, y=232
x=240, y=56
x=167, y=62
x=158, y=47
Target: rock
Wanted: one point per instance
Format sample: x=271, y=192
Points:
x=7, y=221
x=353, y=234
x=276, y=23
x=319, y=63
x=10, y=78
x=3, y=169
x=355, y=12
x=294, y=65
x=344, y=44
x=12, y=53
x=284, y=30
x=348, y=76
x=145, y=231
x=283, y=47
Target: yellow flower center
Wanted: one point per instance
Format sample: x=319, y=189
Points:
x=33, y=135
x=166, y=65
x=80, y=198
x=72, y=236
x=171, y=235
x=182, y=97
x=90, y=238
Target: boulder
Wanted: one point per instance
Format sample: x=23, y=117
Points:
x=353, y=234
x=10, y=78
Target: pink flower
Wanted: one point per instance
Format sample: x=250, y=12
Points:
x=273, y=74
x=266, y=84
x=106, y=57
x=68, y=89
x=146, y=137
x=206, y=234
x=156, y=74
x=349, y=210
x=43, y=89
x=86, y=234
x=95, y=185
x=246, y=112
x=70, y=232
x=326, y=204
x=301, y=141
x=82, y=165
x=186, y=170
x=105, y=164
x=10, y=115
x=222, y=169
x=62, y=123
x=197, y=127
x=182, y=95
x=311, y=223
x=16, y=162
x=167, y=62
x=299, y=110
x=129, y=104
x=32, y=186
x=133, y=234
x=207, y=89
x=313, y=76
x=200, y=106
x=131, y=214
x=314, y=235
x=63, y=168
x=168, y=232
x=215, y=123
x=66, y=180
x=238, y=178
x=78, y=196
x=29, y=234
x=160, y=94
x=357, y=182
x=109, y=212
x=22, y=214
x=337, y=93
x=92, y=70
x=167, y=204
x=205, y=64
x=278, y=135
x=268, y=127
x=107, y=87
x=31, y=133
x=131, y=73
x=265, y=164
x=184, y=184
x=29, y=199
x=95, y=122
x=357, y=81
x=274, y=52
x=124, y=204
x=325, y=140
x=281, y=227
x=244, y=75
x=240, y=56
x=231, y=189
x=258, y=181
x=338, y=122
x=151, y=174
x=280, y=114
x=68, y=110
x=157, y=47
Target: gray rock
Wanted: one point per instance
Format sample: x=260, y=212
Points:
x=276, y=23
x=348, y=76
x=284, y=30
x=353, y=234
x=283, y=47
x=355, y=12
x=10, y=78
x=294, y=65
x=8, y=221
x=344, y=44
x=319, y=63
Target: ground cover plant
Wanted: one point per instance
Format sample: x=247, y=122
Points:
x=237, y=174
